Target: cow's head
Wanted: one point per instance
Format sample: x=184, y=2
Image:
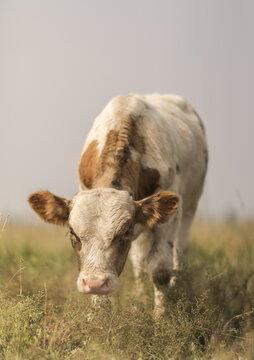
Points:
x=101, y=224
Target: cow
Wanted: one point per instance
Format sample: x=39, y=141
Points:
x=141, y=174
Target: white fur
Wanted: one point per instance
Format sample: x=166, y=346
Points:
x=174, y=138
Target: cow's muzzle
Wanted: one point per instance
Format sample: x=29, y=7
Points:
x=97, y=284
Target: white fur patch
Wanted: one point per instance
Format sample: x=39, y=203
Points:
x=99, y=213
x=175, y=145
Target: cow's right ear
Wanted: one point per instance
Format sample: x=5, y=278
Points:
x=51, y=208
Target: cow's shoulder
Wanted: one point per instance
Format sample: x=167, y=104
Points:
x=123, y=105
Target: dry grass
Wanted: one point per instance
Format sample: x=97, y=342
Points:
x=210, y=316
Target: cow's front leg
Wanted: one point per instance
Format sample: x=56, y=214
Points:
x=160, y=261
x=139, y=250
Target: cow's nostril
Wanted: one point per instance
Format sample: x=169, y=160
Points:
x=104, y=286
x=95, y=286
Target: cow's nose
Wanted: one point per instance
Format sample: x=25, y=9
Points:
x=95, y=286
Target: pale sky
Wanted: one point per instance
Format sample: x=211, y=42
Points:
x=62, y=61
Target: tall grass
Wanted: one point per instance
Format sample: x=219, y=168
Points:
x=210, y=310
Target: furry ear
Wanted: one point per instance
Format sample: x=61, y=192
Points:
x=157, y=208
x=49, y=207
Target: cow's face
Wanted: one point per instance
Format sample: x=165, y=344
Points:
x=102, y=224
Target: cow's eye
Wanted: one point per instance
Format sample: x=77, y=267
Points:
x=74, y=236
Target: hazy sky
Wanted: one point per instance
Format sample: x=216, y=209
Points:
x=62, y=61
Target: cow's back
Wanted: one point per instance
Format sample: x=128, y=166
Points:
x=164, y=134
x=176, y=145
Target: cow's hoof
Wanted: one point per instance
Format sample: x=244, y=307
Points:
x=172, y=281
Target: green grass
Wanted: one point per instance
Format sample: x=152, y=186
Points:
x=210, y=310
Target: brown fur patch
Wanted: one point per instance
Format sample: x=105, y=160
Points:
x=148, y=182
x=157, y=209
x=107, y=159
x=49, y=207
x=124, y=137
x=161, y=277
x=87, y=165
x=117, y=148
x=115, y=166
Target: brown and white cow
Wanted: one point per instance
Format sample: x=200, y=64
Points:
x=141, y=174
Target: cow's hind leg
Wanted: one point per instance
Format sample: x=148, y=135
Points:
x=181, y=245
x=182, y=242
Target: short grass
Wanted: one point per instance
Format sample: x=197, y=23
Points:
x=210, y=310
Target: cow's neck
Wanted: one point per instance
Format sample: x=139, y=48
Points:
x=119, y=163
x=139, y=181
x=120, y=176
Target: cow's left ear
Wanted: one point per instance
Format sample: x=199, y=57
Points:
x=51, y=208
x=157, y=208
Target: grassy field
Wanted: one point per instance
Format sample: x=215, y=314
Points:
x=210, y=316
